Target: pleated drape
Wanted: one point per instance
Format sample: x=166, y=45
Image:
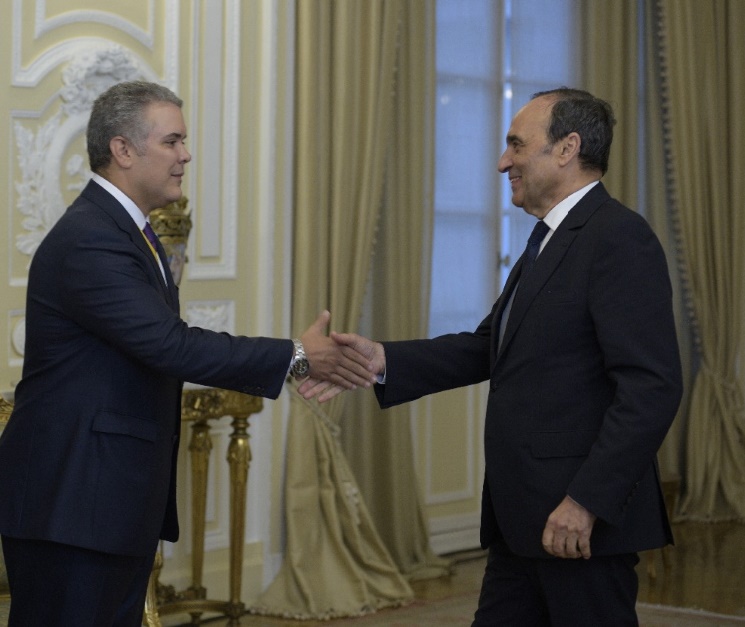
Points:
x=701, y=48
x=618, y=48
x=335, y=562
x=379, y=443
x=610, y=70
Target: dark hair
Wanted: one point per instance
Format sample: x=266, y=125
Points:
x=579, y=111
x=119, y=111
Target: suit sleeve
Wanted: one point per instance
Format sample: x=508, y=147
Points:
x=416, y=368
x=630, y=301
x=108, y=289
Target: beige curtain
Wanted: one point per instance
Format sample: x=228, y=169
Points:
x=610, y=70
x=703, y=86
x=619, y=65
x=335, y=563
x=379, y=443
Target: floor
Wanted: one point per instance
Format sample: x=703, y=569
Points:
x=705, y=570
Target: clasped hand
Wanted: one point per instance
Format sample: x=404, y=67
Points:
x=334, y=366
x=354, y=348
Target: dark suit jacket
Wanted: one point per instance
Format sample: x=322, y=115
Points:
x=583, y=390
x=88, y=457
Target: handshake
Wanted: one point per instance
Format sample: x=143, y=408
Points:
x=341, y=361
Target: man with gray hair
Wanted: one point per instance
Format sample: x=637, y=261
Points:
x=88, y=458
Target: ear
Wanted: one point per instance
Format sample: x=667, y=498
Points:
x=121, y=151
x=570, y=146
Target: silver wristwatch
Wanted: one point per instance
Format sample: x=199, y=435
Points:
x=299, y=366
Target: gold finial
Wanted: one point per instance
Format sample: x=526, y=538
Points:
x=172, y=221
x=172, y=225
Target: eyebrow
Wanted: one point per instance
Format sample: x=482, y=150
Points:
x=514, y=138
x=174, y=135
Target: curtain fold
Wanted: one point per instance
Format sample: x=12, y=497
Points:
x=379, y=443
x=335, y=563
x=701, y=48
x=610, y=70
x=619, y=65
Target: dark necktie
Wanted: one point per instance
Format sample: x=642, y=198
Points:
x=155, y=243
x=534, y=245
x=529, y=257
x=151, y=236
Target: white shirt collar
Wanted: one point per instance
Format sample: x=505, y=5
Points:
x=132, y=209
x=555, y=217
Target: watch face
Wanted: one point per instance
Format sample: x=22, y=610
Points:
x=301, y=367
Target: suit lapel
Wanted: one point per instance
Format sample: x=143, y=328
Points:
x=547, y=262
x=97, y=194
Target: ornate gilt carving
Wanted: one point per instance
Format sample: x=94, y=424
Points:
x=211, y=403
x=172, y=224
x=199, y=406
x=6, y=409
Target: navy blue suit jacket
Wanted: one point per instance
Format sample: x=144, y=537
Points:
x=583, y=389
x=88, y=457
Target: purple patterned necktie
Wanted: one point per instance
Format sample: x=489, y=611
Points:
x=155, y=243
x=151, y=236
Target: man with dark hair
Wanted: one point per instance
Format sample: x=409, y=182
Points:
x=88, y=458
x=581, y=354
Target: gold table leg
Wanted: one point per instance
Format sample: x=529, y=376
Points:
x=239, y=458
x=151, y=617
x=200, y=448
x=200, y=406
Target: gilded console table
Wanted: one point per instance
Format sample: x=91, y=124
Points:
x=199, y=406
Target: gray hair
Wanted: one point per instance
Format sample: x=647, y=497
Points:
x=120, y=111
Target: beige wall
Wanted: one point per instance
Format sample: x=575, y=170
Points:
x=449, y=446
x=231, y=62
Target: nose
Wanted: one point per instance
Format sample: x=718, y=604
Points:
x=504, y=163
x=185, y=154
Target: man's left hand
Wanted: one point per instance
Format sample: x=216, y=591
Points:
x=568, y=529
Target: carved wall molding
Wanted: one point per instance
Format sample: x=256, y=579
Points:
x=44, y=24
x=41, y=153
x=213, y=315
x=216, y=87
x=31, y=74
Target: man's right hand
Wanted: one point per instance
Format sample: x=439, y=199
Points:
x=371, y=351
x=334, y=362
